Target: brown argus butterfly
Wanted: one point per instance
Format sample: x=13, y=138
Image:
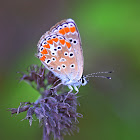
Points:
x=60, y=51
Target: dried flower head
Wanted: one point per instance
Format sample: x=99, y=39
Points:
x=57, y=113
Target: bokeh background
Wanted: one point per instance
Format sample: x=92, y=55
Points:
x=110, y=33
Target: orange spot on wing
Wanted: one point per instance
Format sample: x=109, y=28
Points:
x=62, y=41
x=72, y=29
x=62, y=31
x=43, y=58
x=68, y=45
x=55, y=39
x=66, y=29
x=50, y=41
x=47, y=46
x=44, y=51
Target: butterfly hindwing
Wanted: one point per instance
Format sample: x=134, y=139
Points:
x=57, y=55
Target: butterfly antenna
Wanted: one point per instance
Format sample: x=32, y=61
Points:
x=99, y=76
x=95, y=74
x=99, y=73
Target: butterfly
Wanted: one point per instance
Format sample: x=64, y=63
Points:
x=60, y=51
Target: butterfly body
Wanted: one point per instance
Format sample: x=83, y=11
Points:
x=60, y=51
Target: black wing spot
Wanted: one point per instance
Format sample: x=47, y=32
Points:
x=63, y=66
x=53, y=59
x=59, y=48
x=71, y=54
x=72, y=66
x=70, y=40
x=48, y=61
x=58, y=68
x=48, y=38
x=65, y=53
x=53, y=54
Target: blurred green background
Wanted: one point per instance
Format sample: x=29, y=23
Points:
x=110, y=34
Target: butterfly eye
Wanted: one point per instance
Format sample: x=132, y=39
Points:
x=70, y=24
x=82, y=80
x=65, y=25
x=72, y=65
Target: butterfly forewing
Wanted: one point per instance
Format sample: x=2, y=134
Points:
x=69, y=30
x=60, y=51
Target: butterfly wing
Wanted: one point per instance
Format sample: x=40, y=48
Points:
x=69, y=30
x=61, y=55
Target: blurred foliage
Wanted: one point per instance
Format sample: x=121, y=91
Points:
x=110, y=39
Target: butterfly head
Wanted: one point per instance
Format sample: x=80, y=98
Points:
x=83, y=81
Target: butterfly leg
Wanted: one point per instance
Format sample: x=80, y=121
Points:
x=56, y=87
x=71, y=89
x=76, y=89
x=56, y=82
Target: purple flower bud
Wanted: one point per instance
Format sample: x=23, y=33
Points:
x=57, y=113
